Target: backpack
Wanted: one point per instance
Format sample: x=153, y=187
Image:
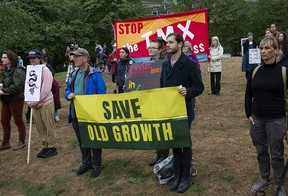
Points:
x=284, y=76
x=165, y=170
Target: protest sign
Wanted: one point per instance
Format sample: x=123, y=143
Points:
x=143, y=76
x=254, y=56
x=146, y=120
x=136, y=34
x=33, y=82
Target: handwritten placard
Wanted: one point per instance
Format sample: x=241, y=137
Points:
x=33, y=82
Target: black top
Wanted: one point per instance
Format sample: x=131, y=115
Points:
x=246, y=46
x=264, y=95
x=185, y=72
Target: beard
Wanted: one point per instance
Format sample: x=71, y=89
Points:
x=173, y=51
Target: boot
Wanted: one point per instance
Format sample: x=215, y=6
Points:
x=160, y=156
x=185, y=180
x=175, y=181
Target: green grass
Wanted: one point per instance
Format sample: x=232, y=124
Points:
x=228, y=177
x=61, y=74
x=73, y=143
x=196, y=188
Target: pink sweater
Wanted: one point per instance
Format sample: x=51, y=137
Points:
x=46, y=96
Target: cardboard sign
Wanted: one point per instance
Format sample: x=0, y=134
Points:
x=33, y=82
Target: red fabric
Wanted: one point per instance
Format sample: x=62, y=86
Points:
x=113, y=63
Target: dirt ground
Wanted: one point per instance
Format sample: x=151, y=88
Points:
x=225, y=157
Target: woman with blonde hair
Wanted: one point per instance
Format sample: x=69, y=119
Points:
x=265, y=110
x=215, y=65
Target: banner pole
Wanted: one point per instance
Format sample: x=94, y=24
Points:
x=29, y=140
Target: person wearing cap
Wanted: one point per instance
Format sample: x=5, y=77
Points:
x=215, y=65
x=112, y=59
x=43, y=110
x=12, y=80
x=248, y=44
x=86, y=80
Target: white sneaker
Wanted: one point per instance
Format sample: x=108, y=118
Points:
x=57, y=119
x=262, y=184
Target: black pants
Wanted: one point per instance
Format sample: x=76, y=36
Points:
x=120, y=89
x=183, y=156
x=90, y=156
x=215, y=78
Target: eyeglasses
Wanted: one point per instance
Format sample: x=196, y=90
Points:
x=152, y=48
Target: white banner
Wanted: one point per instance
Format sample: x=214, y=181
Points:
x=33, y=82
x=254, y=56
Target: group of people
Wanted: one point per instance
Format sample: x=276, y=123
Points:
x=12, y=80
x=265, y=105
x=264, y=100
x=87, y=80
x=250, y=43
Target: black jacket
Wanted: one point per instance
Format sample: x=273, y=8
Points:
x=185, y=72
x=122, y=68
x=246, y=45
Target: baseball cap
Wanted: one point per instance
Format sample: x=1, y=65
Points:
x=35, y=54
x=250, y=33
x=80, y=52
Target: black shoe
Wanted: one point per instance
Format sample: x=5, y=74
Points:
x=41, y=152
x=49, y=152
x=184, y=184
x=82, y=169
x=154, y=161
x=174, y=183
x=96, y=171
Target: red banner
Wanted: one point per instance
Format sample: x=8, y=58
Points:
x=136, y=34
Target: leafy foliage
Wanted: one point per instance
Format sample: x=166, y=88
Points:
x=54, y=24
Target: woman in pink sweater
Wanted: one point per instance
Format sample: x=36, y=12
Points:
x=43, y=110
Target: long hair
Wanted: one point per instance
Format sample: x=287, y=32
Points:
x=217, y=39
x=12, y=57
x=271, y=41
x=285, y=39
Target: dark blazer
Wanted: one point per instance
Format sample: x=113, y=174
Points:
x=185, y=72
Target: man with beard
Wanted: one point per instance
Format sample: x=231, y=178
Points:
x=180, y=70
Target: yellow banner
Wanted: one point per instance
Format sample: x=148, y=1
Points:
x=155, y=104
x=146, y=120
